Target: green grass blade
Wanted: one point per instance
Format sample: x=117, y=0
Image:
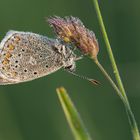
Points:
x=72, y=116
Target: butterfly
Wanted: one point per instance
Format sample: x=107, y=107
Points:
x=25, y=56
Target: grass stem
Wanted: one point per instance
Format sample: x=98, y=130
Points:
x=134, y=127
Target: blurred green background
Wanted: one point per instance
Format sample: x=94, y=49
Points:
x=31, y=111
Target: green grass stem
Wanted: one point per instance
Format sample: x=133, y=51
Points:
x=133, y=124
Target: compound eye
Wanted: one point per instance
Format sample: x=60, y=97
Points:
x=71, y=68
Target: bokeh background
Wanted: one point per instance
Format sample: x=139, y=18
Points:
x=31, y=111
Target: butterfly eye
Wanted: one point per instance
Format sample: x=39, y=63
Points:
x=70, y=68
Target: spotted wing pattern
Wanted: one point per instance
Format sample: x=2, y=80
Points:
x=25, y=56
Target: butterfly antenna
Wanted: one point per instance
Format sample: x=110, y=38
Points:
x=93, y=81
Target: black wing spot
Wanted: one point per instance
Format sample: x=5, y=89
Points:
x=35, y=73
x=25, y=70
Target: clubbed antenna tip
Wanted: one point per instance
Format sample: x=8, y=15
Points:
x=93, y=81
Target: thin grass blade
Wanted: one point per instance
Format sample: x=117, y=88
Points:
x=76, y=125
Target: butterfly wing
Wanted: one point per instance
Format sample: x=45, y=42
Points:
x=25, y=56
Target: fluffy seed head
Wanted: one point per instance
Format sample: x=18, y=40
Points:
x=71, y=30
